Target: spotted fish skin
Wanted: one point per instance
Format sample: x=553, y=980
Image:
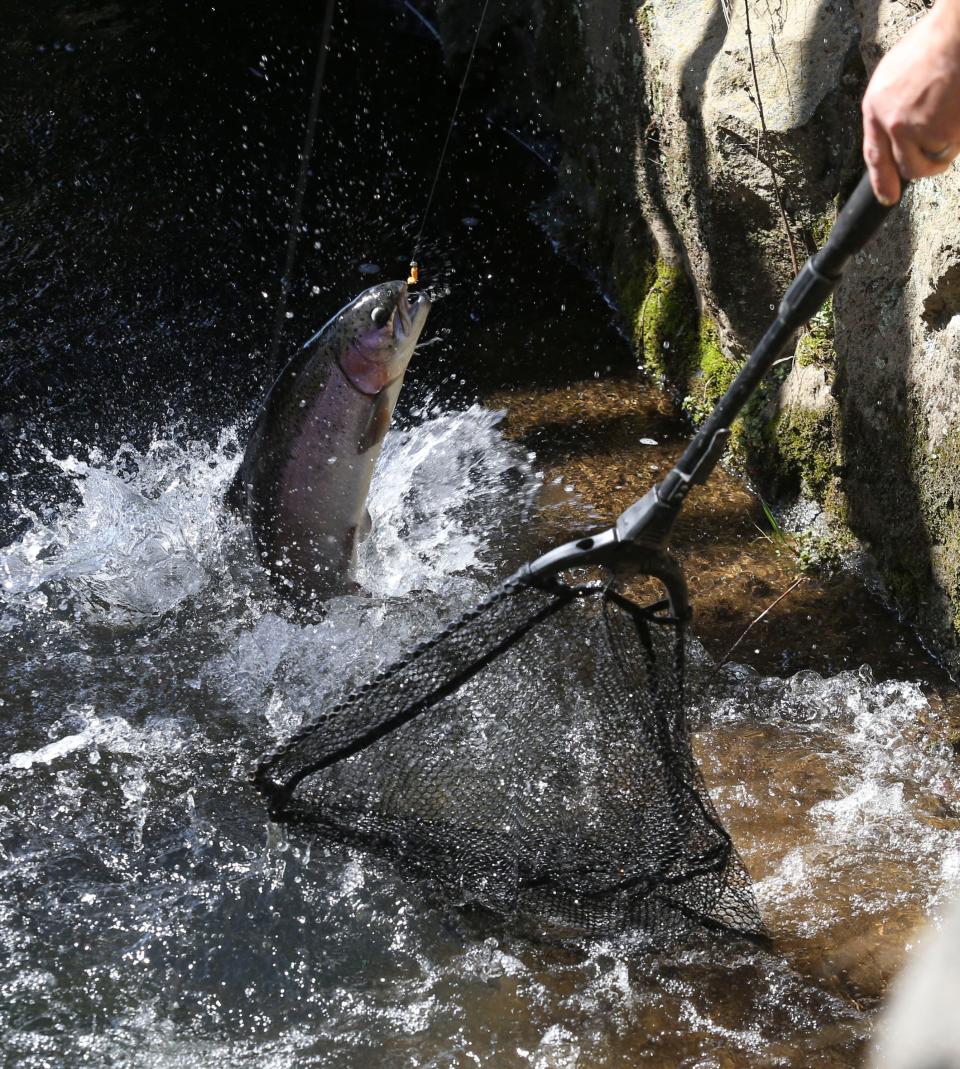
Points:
x=305, y=475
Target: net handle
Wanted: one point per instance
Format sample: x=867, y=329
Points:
x=647, y=523
x=859, y=220
x=625, y=556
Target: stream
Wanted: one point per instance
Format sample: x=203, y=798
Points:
x=149, y=914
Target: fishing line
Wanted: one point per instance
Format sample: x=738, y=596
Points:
x=414, y=268
x=296, y=214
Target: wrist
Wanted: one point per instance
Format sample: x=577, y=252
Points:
x=946, y=17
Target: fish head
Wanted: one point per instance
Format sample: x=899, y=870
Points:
x=382, y=327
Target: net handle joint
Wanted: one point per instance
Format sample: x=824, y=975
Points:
x=635, y=545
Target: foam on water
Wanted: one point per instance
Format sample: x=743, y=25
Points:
x=148, y=918
x=145, y=535
x=858, y=800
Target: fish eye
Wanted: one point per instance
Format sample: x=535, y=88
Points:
x=380, y=315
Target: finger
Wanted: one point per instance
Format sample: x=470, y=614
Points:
x=878, y=156
x=909, y=158
x=939, y=166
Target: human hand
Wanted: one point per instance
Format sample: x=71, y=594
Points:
x=911, y=109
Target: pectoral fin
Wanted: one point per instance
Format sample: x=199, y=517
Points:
x=379, y=422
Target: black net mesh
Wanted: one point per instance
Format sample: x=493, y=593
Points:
x=534, y=759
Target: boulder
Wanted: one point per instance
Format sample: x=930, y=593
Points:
x=706, y=145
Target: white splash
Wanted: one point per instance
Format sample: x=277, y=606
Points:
x=894, y=795
x=439, y=491
x=110, y=734
x=150, y=529
x=145, y=535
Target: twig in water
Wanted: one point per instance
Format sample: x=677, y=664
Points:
x=763, y=130
x=749, y=627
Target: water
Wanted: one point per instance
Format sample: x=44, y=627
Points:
x=148, y=914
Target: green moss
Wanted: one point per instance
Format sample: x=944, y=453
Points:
x=679, y=345
x=666, y=325
x=821, y=226
x=808, y=444
x=633, y=277
x=717, y=369
x=753, y=441
x=816, y=343
x=715, y=372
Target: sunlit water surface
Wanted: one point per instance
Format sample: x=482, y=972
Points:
x=149, y=915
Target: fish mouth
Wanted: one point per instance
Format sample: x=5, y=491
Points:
x=410, y=315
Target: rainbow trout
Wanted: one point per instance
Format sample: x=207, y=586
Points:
x=306, y=471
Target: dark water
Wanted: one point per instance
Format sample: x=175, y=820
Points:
x=149, y=158
x=148, y=915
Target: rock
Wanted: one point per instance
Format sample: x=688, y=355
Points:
x=897, y=329
x=806, y=388
x=674, y=195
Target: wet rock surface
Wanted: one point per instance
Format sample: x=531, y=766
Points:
x=705, y=148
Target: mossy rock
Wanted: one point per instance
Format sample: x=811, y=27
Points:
x=801, y=451
x=666, y=326
x=937, y=476
x=633, y=278
x=816, y=344
x=793, y=450
x=715, y=372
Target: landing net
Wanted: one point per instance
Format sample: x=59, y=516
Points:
x=534, y=759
